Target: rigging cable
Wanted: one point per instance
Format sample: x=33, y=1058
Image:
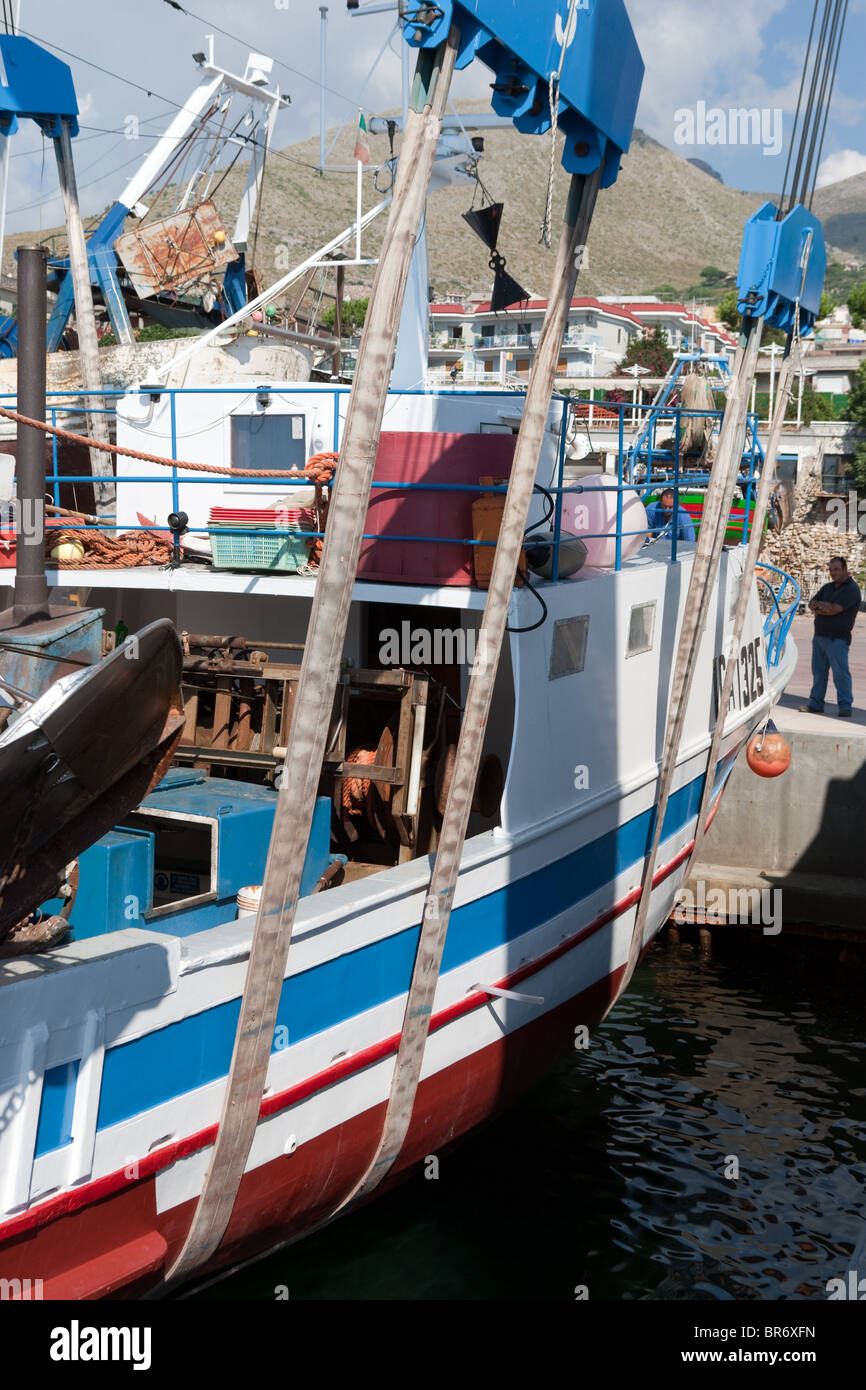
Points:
x=254, y=48
x=149, y=91
x=810, y=172
x=817, y=80
x=828, y=104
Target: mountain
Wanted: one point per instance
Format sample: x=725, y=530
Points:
x=663, y=220
x=707, y=168
x=660, y=223
x=842, y=209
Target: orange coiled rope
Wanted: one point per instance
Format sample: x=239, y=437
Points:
x=114, y=552
x=356, y=790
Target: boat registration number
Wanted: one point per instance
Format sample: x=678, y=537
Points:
x=749, y=678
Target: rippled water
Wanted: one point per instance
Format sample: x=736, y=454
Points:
x=612, y=1174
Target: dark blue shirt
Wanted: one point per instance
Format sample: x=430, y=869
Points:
x=838, y=624
x=657, y=517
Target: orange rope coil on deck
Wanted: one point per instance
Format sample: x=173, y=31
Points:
x=116, y=552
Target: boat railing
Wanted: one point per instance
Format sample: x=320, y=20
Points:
x=780, y=595
x=664, y=470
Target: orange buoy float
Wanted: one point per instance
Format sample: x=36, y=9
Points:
x=768, y=754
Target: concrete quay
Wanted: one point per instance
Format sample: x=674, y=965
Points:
x=804, y=833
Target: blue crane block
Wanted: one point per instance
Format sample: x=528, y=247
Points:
x=781, y=262
x=35, y=84
x=522, y=43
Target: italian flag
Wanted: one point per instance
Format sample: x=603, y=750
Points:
x=362, y=144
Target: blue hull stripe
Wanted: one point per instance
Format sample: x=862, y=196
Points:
x=146, y=1072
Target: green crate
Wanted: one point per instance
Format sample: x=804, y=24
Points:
x=258, y=550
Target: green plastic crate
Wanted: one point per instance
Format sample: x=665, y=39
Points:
x=257, y=550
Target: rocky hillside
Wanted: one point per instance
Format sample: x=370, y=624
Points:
x=842, y=209
x=661, y=223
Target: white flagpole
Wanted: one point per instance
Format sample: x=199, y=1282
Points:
x=358, y=212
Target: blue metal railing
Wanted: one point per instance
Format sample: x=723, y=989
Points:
x=663, y=467
x=777, y=623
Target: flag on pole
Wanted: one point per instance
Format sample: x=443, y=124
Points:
x=362, y=144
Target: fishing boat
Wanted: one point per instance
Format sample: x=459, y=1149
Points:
x=426, y=811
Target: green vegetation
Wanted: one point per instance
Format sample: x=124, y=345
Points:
x=707, y=291
x=857, y=415
x=815, y=406
x=152, y=333
x=727, y=309
x=857, y=304
x=650, y=351
x=354, y=314
x=839, y=282
x=840, y=287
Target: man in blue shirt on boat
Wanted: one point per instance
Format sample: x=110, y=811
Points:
x=835, y=606
x=660, y=519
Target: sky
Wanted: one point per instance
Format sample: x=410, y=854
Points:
x=700, y=58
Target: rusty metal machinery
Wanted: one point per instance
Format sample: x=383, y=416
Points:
x=174, y=252
x=385, y=745
x=237, y=702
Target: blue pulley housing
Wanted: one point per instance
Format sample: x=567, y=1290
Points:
x=780, y=263
x=602, y=69
x=36, y=85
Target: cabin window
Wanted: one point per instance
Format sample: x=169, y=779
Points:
x=569, y=646
x=640, y=628
x=267, y=440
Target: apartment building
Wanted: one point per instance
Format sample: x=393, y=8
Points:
x=469, y=340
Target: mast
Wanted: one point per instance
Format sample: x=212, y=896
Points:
x=323, y=79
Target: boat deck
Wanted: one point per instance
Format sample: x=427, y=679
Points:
x=203, y=580
x=199, y=578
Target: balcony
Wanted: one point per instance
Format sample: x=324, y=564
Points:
x=509, y=340
x=445, y=342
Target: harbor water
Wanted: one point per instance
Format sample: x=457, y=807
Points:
x=710, y=1143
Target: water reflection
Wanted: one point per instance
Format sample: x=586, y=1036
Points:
x=618, y=1173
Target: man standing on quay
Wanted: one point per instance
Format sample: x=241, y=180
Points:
x=835, y=606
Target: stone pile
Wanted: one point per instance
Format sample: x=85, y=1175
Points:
x=804, y=547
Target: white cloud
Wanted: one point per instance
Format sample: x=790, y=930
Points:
x=841, y=165
x=686, y=63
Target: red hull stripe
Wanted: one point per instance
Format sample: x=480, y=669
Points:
x=66, y=1202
